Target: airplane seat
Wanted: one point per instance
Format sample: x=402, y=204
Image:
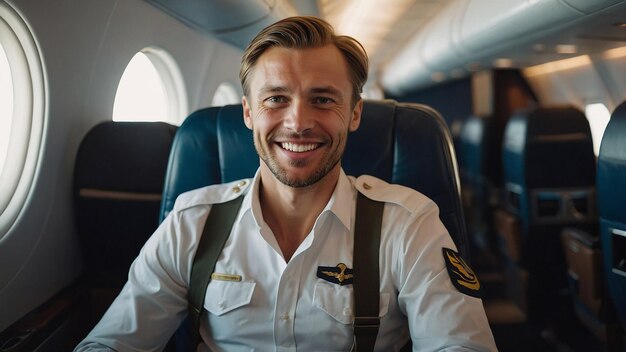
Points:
x=413, y=148
x=584, y=273
x=612, y=214
x=118, y=179
x=402, y=143
x=549, y=184
x=479, y=185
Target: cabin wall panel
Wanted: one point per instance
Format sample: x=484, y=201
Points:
x=222, y=66
x=611, y=68
x=84, y=57
x=40, y=253
x=192, y=51
x=577, y=86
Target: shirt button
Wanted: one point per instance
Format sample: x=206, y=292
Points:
x=347, y=312
x=221, y=304
x=284, y=317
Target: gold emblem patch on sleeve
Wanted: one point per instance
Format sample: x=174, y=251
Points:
x=461, y=275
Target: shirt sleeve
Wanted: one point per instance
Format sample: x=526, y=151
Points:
x=440, y=317
x=153, y=302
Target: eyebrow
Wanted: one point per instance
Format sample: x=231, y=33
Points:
x=326, y=90
x=273, y=89
x=330, y=90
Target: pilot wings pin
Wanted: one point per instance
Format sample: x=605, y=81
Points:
x=340, y=274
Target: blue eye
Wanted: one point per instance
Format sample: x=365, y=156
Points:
x=276, y=99
x=323, y=100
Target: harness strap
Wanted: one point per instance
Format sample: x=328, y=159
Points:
x=216, y=231
x=366, y=280
x=365, y=267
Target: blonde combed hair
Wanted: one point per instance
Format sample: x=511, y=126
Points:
x=304, y=32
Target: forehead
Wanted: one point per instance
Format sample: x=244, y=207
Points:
x=301, y=68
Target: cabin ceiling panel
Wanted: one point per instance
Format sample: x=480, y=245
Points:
x=383, y=28
x=415, y=43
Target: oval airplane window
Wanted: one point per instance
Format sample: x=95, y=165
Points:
x=22, y=111
x=225, y=94
x=598, y=116
x=6, y=105
x=151, y=89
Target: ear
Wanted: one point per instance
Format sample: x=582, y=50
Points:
x=355, y=119
x=247, y=113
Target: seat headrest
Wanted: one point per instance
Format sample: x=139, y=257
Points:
x=548, y=148
x=111, y=151
x=407, y=144
x=479, y=155
x=611, y=182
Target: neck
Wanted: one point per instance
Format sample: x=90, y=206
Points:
x=291, y=212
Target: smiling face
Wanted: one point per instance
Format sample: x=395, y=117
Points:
x=300, y=111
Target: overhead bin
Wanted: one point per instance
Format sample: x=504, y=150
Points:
x=590, y=6
x=490, y=25
x=470, y=31
x=233, y=21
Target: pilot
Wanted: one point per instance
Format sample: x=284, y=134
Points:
x=283, y=279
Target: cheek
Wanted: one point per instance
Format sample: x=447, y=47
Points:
x=342, y=121
x=263, y=127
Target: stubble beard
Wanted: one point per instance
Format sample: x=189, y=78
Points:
x=282, y=175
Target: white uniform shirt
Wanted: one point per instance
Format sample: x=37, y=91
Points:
x=280, y=306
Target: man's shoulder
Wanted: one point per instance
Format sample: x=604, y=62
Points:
x=213, y=194
x=382, y=191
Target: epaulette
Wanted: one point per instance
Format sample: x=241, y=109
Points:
x=379, y=190
x=213, y=194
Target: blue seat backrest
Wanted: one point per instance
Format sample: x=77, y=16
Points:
x=118, y=179
x=475, y=138
x=611, y=188
x=407, y=144
x=546, y=149
x=549, y=184
x=478, y=163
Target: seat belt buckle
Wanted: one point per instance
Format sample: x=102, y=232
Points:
x=366, y=325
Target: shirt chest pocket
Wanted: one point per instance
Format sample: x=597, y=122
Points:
x=337, y=301
x=224, y=296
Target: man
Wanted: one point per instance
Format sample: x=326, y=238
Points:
x=273, y=288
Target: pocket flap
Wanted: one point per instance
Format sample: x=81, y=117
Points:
x=223, y=296
x=336, y=301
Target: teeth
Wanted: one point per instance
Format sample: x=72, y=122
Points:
x=299, y=148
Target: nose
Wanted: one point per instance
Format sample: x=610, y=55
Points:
x=299, y=118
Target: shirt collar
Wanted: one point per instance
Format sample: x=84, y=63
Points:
x=341, y=202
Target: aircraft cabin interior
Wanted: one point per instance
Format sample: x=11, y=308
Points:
x=509, y=114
